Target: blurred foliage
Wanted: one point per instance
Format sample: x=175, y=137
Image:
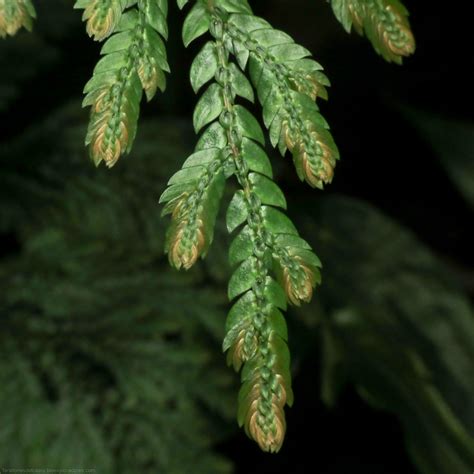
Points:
x=115, y=358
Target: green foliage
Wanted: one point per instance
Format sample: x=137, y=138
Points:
x=274, y=266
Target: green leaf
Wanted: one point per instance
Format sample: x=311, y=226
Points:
x=202, y=157
x=156, y=18
x=237, y=211
x=277, y=222
x=187, y=174
x=256, y=158
x=278, y=324
x=209, y=107
x=275, y=294
x=248, y=125
x=111, y=62
x=240, y=83
x=241, y=247
x=243, y=278
x=204, y=66
x=266, y=37
x=196, y=24
x=234, y=6
x=291, y=240
x=213, y=137
x=288, y=52
x=240, y=310
x=117, y=42
x=266, y=189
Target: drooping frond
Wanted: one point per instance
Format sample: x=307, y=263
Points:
x=273, y=264
x=134, y=59
x=16, y=14
x=384, y=22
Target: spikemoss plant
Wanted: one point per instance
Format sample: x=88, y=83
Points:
x=244, y=57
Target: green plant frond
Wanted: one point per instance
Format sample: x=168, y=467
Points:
x=14, y=15
x=384, y=22
x=134, y=59
x=273, y=264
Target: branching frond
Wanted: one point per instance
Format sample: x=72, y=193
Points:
x=384, y=22
x=134, y=59
x=16, y=14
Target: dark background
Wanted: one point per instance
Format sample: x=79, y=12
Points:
x=384, y=161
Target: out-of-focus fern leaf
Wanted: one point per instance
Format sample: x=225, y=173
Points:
x=108, y=367
x=384, y=22
x=16, y=14
x=406, y=337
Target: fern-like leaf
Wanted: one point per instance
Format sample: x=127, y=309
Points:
x=384, y=22
x=134, y=59
x=16, y=14
x=273, y=264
